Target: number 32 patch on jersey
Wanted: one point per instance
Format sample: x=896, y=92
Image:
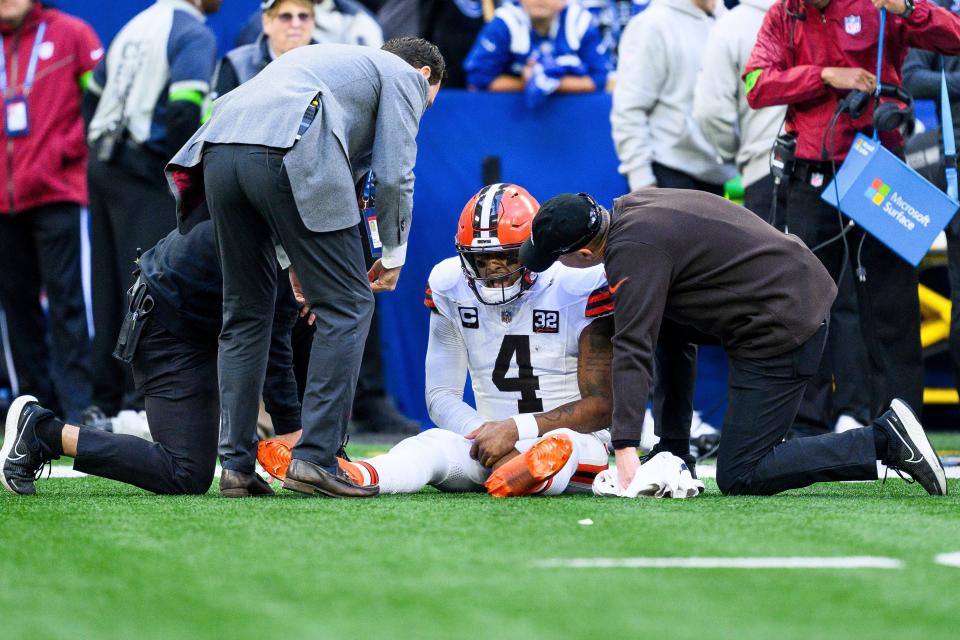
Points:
x=546, y=321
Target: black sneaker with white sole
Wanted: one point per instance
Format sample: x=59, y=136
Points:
x=23, y=456
x=909, y=450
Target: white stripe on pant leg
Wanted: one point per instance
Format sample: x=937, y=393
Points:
x=8, y=355
x=85, y=278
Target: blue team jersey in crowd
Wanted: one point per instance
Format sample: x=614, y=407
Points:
x=163, y=53
x=508, y=41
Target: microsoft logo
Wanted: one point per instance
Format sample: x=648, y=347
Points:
x=877, y=191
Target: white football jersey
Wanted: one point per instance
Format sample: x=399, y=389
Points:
x=522, y=356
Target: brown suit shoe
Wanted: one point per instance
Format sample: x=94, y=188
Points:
x=236, y=484
x=309, y=478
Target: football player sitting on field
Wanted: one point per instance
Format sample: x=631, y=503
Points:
x=538, y=350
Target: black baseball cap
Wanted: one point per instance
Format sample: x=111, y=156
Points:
x=565, y=223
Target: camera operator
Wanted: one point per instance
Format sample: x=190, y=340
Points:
x=813, y=55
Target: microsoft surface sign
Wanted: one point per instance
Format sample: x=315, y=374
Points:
x=890, y=200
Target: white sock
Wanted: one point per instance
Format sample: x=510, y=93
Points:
x=435, y=457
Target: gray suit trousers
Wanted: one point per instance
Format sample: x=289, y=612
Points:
x=252, y=206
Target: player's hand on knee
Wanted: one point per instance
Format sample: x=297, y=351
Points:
x=383, y=278
x=492, y=441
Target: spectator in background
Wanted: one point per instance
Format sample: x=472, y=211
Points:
x=399, y=18
x=453, y=25
x=921, y=77
x=285, y=24
x=346, y=22
x=148, y=94
x=837, y=396
x=721, y=111
x=48, y=57
x=336, y=22
x=657, y=141
x=540, y=47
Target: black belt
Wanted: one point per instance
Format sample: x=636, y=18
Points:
x=803, y=169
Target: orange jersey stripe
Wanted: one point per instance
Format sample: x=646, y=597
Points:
x=599, y=311
x=598, y=297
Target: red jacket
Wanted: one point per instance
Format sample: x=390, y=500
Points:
x=844, y=35
x=50, y=163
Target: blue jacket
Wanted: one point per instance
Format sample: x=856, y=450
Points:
x=508, y=41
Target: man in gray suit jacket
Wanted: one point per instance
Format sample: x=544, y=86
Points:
x=277, y=164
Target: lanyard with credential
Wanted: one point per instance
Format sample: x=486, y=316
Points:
x=369, y=214
x=31, y=66
x=16, y=120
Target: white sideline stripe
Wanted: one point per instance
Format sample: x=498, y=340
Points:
x=841, y=562
x=710, y=471
x=948, y=559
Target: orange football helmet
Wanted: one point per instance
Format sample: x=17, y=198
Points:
x=492, y=226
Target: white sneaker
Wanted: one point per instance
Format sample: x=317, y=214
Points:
x=847, y=423
x=700, y=428
x=132, y=423
x=648, y=439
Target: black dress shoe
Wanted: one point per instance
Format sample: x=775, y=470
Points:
x=236, y=484
x=306, y=477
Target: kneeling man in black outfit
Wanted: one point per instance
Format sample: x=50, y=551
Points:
x=687, y=265
x=179, y=301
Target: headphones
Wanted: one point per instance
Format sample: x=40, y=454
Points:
x=887, y=116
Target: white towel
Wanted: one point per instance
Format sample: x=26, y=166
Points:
x=664, y=476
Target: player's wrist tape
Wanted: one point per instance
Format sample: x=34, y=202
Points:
x=527, y=427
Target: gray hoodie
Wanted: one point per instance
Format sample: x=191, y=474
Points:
x=652, y=121
x=720, y=105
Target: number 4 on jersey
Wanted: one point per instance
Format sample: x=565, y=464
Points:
x=526, y=384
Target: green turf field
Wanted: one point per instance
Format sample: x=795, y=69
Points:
x=89, y=558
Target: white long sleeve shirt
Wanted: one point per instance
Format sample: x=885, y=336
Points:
x=652, y=121
x=720, y=106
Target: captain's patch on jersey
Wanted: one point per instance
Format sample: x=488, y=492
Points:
x=469, y=317
x=546, y=321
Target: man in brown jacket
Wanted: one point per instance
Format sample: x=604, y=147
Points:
x=687, y=267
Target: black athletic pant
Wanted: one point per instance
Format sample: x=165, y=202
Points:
x=953, y=265
x=131, y=207
x=758, y=197
x=251, y=205
x=179, y=383
x=887, y=300
x=763, y=398
x=40, y=249
x=668, y=178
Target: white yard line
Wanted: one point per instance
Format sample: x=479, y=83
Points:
x=842, y=562
x=948, y=559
